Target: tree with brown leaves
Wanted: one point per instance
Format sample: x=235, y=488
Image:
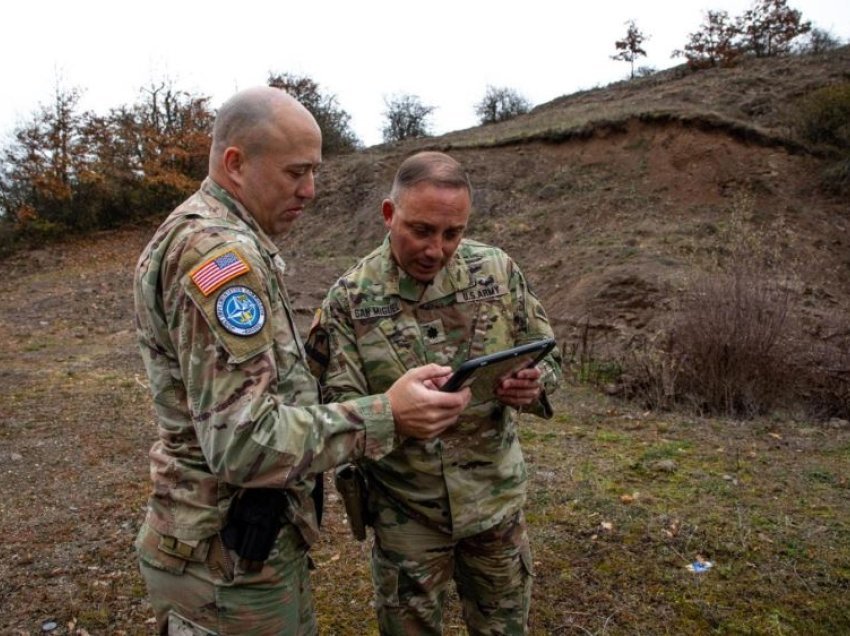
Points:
x=629, y=48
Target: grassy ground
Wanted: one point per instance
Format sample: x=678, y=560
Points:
x=622, y=502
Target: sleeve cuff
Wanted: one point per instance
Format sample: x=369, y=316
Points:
x=541, y=408
x=378, y=425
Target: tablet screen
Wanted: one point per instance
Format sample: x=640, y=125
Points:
x=484, y=374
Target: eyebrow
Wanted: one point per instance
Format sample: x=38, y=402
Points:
x=303, y=164
x=433, y=227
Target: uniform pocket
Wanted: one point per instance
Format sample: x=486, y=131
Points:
x=385, y=576
x=147, y=546
x=179, y=626
x=525, y=557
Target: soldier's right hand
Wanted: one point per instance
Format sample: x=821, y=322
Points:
x=420, y=410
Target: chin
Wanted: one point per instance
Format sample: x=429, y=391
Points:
x=425, y=278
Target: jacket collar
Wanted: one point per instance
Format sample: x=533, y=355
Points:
x=211, y=188
x=449, y=280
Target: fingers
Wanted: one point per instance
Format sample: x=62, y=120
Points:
x=520, y=390
x=429, y=372
x=419, y=409
x=531, y=373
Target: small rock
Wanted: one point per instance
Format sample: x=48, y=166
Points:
x=546, y=475
x=49, y=626
x=16, y=457
x=665, y=466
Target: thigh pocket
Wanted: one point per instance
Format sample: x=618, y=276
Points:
x=385, y=575
x=525, y=558
x=179, y=626
x=147, y=545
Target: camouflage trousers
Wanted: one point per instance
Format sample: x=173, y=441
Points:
x=413, y=566
x=198, y=589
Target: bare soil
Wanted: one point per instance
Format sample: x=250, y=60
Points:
x=608, y=226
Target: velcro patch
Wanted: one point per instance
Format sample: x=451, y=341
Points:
x=433, y=332
x=240, y=311
x=377, y=311
x=481, y=292
x=216, y=271
x=237, y=315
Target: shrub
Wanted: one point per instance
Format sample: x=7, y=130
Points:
x=406, y=118
x=835, y=178
x=500, y=104
x=652, y=369
x=587, y=365
x=731, y=341
x=819, y=41
x=827, y=381
x=728, y=349
x=823, y=118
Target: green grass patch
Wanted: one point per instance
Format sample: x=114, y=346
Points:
x=619, y=533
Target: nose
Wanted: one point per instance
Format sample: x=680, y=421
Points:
x=307, y=186
x=434, y=248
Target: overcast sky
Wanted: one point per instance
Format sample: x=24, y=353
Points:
x=444, y=51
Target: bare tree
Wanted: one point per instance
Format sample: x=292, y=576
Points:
x=500, y=104
x=335, y=122
x=819, y=41
x=406, y=118
x=629, y=48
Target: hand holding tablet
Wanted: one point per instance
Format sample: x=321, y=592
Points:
x=485, y=373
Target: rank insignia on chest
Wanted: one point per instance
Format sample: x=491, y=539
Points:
x=216, y=271
x=433, y=332
x=240, y=311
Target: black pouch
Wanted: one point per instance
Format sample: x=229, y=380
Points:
x=253, y=523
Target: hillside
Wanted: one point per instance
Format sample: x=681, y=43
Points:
x=610, y=200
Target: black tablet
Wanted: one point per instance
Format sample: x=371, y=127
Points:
x=487, y=372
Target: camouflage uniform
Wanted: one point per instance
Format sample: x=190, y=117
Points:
x=237, y=408
x=449, y=507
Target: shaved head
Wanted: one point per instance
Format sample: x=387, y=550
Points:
x=266, y=148
x=250, y=117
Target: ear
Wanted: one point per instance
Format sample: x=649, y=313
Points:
x=233, y=161
x=388, y=210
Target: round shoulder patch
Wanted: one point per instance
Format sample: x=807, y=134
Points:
x=240, y=311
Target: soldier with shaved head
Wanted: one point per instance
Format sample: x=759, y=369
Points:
x=241, y=433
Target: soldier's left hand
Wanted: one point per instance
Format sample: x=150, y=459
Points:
x=520, y=389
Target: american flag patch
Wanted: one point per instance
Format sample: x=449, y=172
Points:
x=214, y=273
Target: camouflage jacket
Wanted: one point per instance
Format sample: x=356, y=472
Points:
x=377, y=322
x=236, y=404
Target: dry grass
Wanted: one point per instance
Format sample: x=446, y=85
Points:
x=620, y=500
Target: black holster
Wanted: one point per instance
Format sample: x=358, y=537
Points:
x=253, y=523
x=351, y=484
